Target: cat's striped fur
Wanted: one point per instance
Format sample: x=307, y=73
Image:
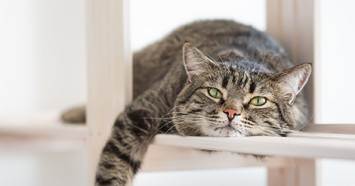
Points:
x=171, y=84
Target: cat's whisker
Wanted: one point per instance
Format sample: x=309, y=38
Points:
x=139, y=128
x=165, y=116
x=156, y=131
x=167, y=131
x=246, y=122
x=267, y=131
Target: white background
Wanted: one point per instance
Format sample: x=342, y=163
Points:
x=42, y=69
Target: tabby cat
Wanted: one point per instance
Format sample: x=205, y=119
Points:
x=228, y=80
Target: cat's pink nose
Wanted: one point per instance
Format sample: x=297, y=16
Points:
x=231, y=113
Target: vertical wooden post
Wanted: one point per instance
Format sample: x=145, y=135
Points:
x=301, y=173
x=293, y=23
x=108, y=71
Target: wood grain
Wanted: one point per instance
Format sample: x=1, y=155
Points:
x=172, y=158
x=109, y=71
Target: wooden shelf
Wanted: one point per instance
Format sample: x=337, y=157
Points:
x=301, y=145
x=170, y=158
x=47, y=132
x=40, y=125
x=40, y=133
x=26, y=144
x=53, y=130
x=331, y=128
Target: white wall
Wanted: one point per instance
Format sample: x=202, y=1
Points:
x=338, y=62
x=219, y=177
x=42, y=60
x=42, y=69
x=42, y=169
x=151, y=20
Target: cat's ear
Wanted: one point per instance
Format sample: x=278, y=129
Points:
x=293, y=80
x=195, y=61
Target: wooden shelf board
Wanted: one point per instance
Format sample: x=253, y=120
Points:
x=40, y=133
x=22, y=144
x=53, y=130
x=40, y=125
x=169, y=158
x=48, y=132
x=331, y=128
x=302, y=147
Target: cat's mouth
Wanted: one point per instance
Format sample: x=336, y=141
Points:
x=228, y=129
x=228, y=126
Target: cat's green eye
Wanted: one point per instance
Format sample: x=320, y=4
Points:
x=215, y=93
x=258, y=101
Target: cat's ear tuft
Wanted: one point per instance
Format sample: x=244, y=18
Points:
x=293, y=80
x=195, y=61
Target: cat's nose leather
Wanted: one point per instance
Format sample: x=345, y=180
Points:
x=231, y=113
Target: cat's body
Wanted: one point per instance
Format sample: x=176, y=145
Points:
x=221, y=40
x=178, y=89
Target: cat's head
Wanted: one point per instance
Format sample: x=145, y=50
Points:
x=236, y=99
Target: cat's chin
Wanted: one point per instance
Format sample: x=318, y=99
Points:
x=223, y=132
x=230, y=134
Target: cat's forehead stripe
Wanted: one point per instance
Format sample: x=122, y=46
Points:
x=245, y=81
x=225, y=81
x=252, y=87
x=234, y=79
